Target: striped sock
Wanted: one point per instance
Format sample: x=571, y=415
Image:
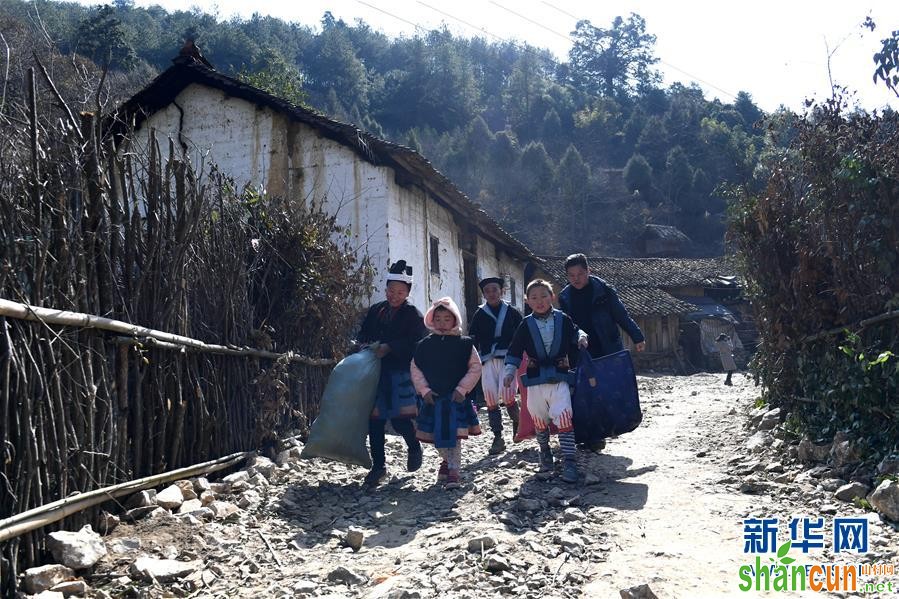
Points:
x=566, y=442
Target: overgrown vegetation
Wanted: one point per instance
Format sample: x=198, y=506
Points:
x=542, y=144
x=820, y=252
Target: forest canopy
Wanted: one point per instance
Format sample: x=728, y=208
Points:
x=567, y=155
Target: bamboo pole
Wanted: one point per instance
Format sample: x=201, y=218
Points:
x=78, y=319
x=53, y=512
x=861, y=325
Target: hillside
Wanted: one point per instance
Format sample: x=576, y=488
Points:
x=567, y=156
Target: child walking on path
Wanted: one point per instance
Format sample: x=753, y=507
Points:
x=445, y=368
x=547, y=335
x=396, y=325
x=725, y=346
x=492, y=327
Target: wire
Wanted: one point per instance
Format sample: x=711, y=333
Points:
x=564, y=12
x=390, y=14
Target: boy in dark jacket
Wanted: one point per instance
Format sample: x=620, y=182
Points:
x=547, y=335
x=492, y=327
x=594, y=307
x=397, y=326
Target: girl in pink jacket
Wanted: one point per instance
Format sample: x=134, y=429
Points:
x=445, y=368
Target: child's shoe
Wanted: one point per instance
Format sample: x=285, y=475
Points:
x=452, y=479
x=414, y=459
x=546, y=459
x=569, y=472
x=498, y=445
x=374, y=478
x=442, y=472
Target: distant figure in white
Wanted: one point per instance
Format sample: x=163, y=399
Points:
x=725, y=347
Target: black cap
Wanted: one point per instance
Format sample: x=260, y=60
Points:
x=498, y=280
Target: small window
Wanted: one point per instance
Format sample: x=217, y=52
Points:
x=435, y=255
x=513, y=292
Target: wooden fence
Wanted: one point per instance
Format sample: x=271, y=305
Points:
x=133, y=326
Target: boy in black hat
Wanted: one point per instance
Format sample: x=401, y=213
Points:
x=397, y=326
x=492, y=327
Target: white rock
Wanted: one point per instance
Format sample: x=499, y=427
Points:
x=288, y=455
x=354, y=539
x=810, y=452
x=496, y=563
x=249, y=499
x=305, y=586
x=240, y=475
x=78, y=588
x=187, y=489
x=191, y=505
x=346, y=576
x=170, y=498
x=49, y=595
x=845, y=452
x=889, y=465
x=885, y=499
x=160, y=513
x=207, y=497
x=770, y=419
x=262, y=465
x=120, y=546
x=258, y=480
x=638, y=592
x=223, y=509
x=758, y=441
x=219, y=488
x=163, y=570
x=486, y=541
x=141, y=499
x=850, y=491
x=107, y=523
x=77, y=550
x=42, y=578
x=201, y=484
x=573, y=514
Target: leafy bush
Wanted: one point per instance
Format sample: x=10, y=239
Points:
x=819, y=248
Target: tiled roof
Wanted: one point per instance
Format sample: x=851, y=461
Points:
x=665, y=232
x=646, y=301
x=641, y=283
x=414, y=167
x=646, y=272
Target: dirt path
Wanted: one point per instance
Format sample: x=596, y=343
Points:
x=660, y=506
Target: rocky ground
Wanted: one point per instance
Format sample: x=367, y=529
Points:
x=662, y=507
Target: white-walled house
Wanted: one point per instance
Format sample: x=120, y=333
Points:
x=393, y=201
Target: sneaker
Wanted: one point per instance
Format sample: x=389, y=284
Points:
x=375, y=477
x=498, y=446
x=597, y=446
x=442, y=472
x=569, y=472
x=452, y=479
x=546, y=459
x=413, y=461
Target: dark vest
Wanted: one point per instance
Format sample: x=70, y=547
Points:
x=443, y=359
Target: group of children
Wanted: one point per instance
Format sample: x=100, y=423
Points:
x=427, y=378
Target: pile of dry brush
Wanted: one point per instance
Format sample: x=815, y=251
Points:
x=169, y=249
